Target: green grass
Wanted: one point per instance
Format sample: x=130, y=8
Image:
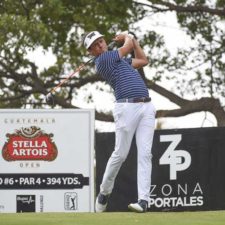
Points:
x=123, y=218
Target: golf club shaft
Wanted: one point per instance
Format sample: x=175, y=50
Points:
x=71, y=75
x=76, y=71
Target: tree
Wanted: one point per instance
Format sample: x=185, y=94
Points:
x=204, y=60
x=57, y=25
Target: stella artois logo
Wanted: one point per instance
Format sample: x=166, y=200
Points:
x=29, y=144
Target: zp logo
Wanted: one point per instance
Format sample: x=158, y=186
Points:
x=177, y=159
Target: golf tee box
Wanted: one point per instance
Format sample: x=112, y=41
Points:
x=46, y=161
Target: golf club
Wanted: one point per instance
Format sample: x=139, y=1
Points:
x=50, y=97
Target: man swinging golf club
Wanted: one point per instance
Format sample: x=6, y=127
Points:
x=134, y=114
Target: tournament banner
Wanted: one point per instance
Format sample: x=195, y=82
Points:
x=187, y=170
x=46, y=161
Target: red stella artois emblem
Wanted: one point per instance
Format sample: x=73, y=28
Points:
x=29, y=144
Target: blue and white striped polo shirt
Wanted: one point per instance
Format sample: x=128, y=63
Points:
x=122, y=77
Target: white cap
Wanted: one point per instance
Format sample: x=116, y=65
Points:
x=91, y=37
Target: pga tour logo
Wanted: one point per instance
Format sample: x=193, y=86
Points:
x=70, y=201
x=178, y=160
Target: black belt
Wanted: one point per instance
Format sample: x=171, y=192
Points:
x=134, y=100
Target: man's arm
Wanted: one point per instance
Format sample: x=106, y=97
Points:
x=127, y=45
x=140, y=58
x=131, y=44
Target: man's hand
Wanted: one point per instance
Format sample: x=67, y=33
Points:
x=120, y=37
x=125, y=38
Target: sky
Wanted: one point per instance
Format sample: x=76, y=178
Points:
x=174, y=37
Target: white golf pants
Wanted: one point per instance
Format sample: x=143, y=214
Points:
x=130, y=119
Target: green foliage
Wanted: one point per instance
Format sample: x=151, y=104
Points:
x=58, y=26
x=220, y=3
x=54, y=25
x=205, y=60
